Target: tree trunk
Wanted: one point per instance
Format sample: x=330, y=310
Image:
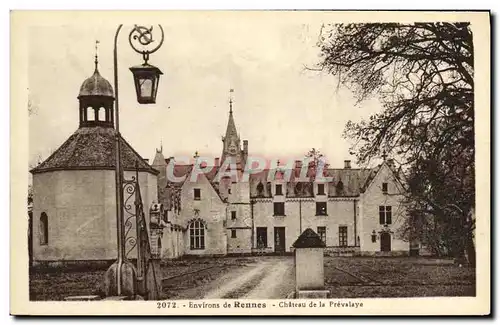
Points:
x=471, y=251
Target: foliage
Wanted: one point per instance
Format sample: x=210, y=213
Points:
x=422, y=74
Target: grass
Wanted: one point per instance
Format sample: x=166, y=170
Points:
x=396, y=277
x=345, y=277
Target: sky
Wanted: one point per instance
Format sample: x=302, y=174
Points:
x=280, y=107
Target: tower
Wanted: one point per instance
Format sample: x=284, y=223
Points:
x=231, y=141
x=74, y=193
x=96, y=101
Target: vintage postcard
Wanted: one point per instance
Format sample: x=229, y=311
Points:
x=250, y=163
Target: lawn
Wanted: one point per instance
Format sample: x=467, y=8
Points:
x=396, y=277
x=59, y=283
x=345, y=277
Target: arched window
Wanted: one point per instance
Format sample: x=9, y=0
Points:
x=197, y=235
x=102, y=114
x=90, y=114
x=44, y=229
x=158, y=253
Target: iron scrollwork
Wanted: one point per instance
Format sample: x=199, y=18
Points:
x=141, y=36
x=129, y=187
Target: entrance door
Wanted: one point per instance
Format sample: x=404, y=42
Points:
x=385, y=242
x=279, y=239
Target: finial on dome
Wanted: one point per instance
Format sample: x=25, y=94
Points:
x=96, y=60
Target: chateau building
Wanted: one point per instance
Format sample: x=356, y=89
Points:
x=356, y=211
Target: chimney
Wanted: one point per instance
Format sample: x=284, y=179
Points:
x=347, y=164
x=217, y=160
x=245, y=147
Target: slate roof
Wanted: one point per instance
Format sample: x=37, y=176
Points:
x=346, y=182
x=351, y=182
x=308, y=239
x=92, y=148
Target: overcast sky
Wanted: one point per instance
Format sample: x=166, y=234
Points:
x=281, y=108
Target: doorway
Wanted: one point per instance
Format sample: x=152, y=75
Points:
x=279, y=239
x=385, y=242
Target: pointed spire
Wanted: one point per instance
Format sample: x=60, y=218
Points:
x=96, y=61
x=231, y=101
x=231, y=140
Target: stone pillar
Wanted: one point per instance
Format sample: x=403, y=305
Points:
x=309, y=266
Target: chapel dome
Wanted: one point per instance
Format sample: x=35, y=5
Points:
x=96, y=85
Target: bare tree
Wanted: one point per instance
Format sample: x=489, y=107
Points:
x=422, y=74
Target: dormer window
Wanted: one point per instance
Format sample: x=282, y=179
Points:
x=340, y=188
x=279, y=189
x=384, y=188
x=260, y=189
x=321, y=189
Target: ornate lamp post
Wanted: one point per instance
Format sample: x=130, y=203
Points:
x=121, y=277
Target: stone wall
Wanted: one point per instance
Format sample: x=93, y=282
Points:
x=81, y=212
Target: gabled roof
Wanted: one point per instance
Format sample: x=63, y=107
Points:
x=374, y=171
x=92, y=148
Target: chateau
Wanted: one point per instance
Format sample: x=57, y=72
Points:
x=355, y=211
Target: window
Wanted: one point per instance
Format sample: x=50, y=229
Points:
x=279, y=208
x=260, y=189
x=261, y=237
x=340, y=188
x=229, y=191
x=44, y=229
x=197, y=235
x=322, y=233
x=385, y=214
x=384, y=188
x=279, y=189
x=102, y=114
x=233, y=215
x=197, y=194
x=321, y=209
x=233, y=233
x=374, y=237
x=343, y=236
x=321, y=189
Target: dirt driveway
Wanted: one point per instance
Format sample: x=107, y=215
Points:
x=262, y=278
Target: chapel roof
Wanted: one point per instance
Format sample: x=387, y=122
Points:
x=92, y=148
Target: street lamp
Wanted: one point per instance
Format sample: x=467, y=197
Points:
x=121, y=278
x=146, y=79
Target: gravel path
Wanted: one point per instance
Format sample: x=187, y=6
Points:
x=270, y=278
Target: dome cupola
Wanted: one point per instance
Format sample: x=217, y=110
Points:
x=96, y=85
x=96, y=98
